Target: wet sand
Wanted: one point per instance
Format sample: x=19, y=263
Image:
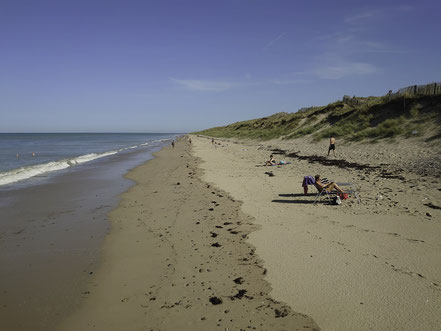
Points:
x=51, y=232
x=178, y=257
x=207, y=240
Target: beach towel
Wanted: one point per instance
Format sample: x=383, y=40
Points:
x=308, y=180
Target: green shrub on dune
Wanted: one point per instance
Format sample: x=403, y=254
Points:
x=352, y=118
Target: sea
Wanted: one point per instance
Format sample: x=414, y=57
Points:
x=56, y=193
x=26, y=155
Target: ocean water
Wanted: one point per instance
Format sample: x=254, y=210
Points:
x=26, y=155
x=54, y=216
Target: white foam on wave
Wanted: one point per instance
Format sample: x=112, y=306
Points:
x=90, y=157
x=22, y=173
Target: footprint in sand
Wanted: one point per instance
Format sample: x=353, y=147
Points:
x=238, y=280
x=415, y=240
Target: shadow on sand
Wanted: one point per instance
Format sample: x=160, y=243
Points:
x=306, y=202
x=288, y=195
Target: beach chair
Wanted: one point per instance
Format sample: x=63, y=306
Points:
x=324, y=193
x=310, y=181
x=329, y=194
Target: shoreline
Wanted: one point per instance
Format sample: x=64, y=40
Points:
x=177, y=256
x=205, y=239
x=25, y=166
x=51, y=233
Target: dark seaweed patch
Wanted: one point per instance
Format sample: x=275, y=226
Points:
x=239, y=295
x=332, y=162
x=215, y=300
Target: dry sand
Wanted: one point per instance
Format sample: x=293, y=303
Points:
x=369, y=266
x=219, y=244
x=177, y=258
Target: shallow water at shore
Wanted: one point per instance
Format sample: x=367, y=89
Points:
x=51, y=231
x=27, y=155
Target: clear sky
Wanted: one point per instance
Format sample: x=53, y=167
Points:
x=185, y=65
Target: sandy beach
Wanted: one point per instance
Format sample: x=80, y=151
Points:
x=220, y=165
x=178, y=257
x=207, y=240
x=373, y=265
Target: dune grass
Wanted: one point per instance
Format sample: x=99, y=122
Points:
x=355, y=119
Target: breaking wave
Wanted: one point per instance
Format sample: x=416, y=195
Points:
x=25, y=172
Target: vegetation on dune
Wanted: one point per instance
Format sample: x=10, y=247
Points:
x=274, y=126
x=372, y=118
x=387, y=119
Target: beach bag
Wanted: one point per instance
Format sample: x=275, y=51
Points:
x=344, y=196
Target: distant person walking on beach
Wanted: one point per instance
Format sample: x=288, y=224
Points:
x=189, y=140
x=331, y=145
x=212, y=141
x=173, y=144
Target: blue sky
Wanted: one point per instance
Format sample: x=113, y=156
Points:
x=180, y=66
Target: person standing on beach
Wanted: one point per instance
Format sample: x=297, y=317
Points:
x=212, y=141
x=173, y=144
x=331, y=145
